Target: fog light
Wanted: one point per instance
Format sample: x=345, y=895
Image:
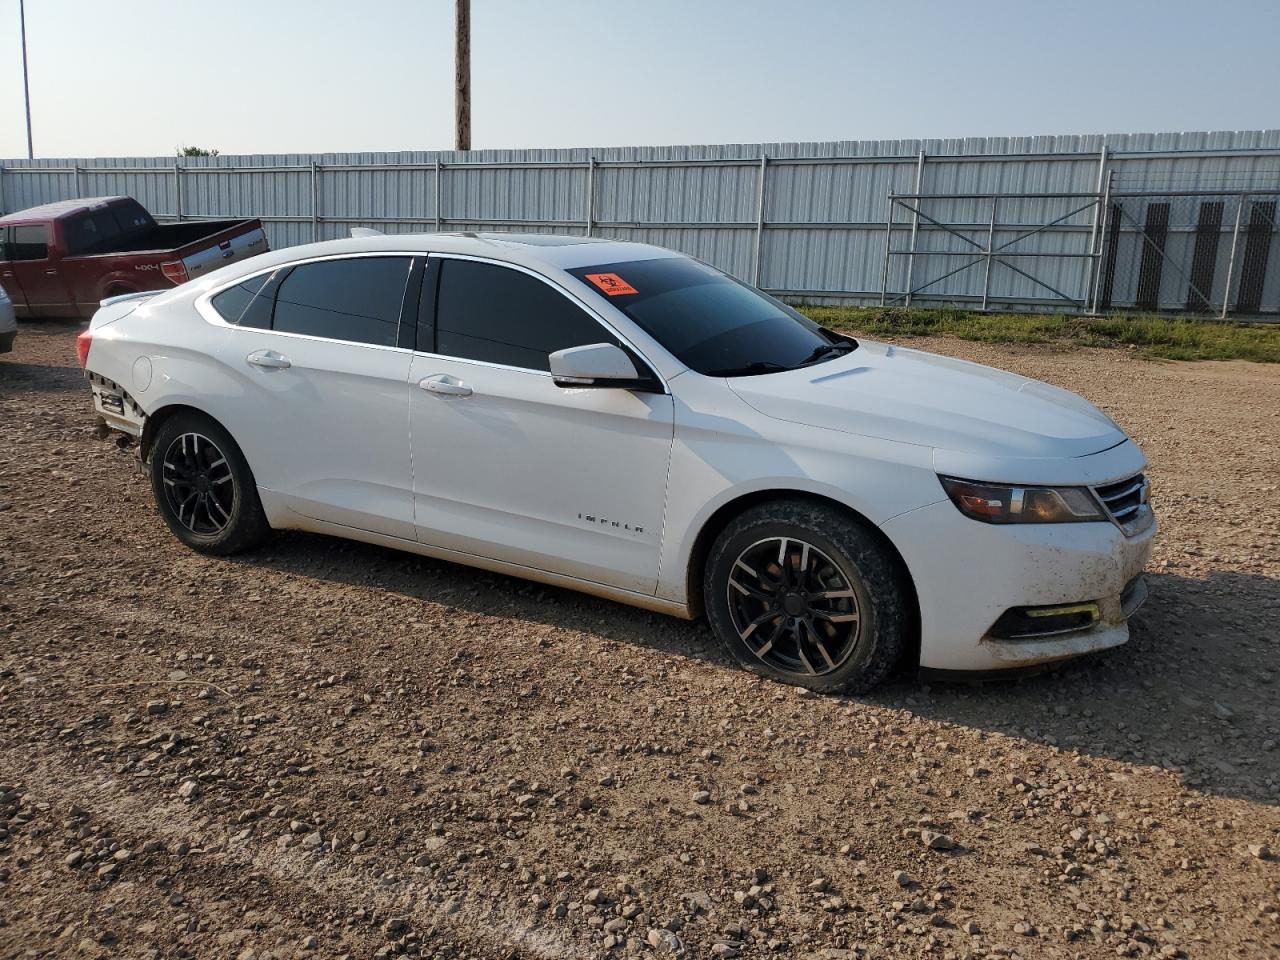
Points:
x=1027, y=623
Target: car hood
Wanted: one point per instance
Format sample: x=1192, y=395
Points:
x=890, y=393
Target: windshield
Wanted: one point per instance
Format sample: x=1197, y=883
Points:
x=710, y=322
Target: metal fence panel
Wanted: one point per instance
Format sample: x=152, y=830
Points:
x=804, y=219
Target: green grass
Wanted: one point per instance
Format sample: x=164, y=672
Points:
x=1168, y=338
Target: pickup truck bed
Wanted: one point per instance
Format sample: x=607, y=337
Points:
x=62, y=259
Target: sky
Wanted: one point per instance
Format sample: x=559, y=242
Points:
x=141, y=77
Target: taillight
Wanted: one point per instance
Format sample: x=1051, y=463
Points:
x=175, y=271
x=82, y=347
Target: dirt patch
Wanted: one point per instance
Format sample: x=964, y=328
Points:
x=326, y=748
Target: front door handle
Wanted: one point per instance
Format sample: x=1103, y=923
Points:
x=268, y=359
x=443, y=385
x=51, y=273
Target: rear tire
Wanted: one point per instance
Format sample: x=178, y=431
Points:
x=204, y=488
x=803, y=593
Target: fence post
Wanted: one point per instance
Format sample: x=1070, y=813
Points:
x=1093, y=229
x=1231, y=260
x=79, y=187
x=591, y=192
x=758, y=265
x=177, y=190
x=888, y=242
x=315, y=201
x=437, y=198
x=1102, y=242
x=991, y=242
x=915, y=226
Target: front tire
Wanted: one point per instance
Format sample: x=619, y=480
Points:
x=803, y=593
x=204, y=488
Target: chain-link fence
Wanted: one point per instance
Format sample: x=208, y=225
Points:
x=1207, y=253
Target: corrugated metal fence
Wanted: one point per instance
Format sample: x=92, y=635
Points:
x=812, y=221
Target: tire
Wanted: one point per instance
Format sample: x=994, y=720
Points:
x=204, y=488
x=836, y=624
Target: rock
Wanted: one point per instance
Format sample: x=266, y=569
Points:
x=702, y=797
x=1023, y=928
x=395, y=925
x=818, y=885
x=189, y=790
x=902, y=878
x=664, y=941
x=971, y=928
x=313, y=841
x=309, y=943
x=1259, y=851
x=936, y=841
x=156, y=707
x=74, y=858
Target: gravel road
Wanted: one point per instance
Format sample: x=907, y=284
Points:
x=327, y=749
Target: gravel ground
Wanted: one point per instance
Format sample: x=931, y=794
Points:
x=328, y=749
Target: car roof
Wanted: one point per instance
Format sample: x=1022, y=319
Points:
x=58, y=209
x=538, y=251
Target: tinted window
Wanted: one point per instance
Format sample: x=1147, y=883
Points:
x=709, y=321
x=248, y=303
x=90, y=232
x=131, y=216
x=357, y=300
x=499, y=315
x=28, y=243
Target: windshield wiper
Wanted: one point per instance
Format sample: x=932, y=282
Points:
x=821, y=352
x=758, y=366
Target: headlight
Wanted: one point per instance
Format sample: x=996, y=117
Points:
x=1000, y=503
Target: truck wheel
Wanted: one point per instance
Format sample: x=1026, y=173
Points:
x=803, y=593
x=204, y=488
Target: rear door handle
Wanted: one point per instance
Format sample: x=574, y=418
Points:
x=443, y=385
x=269, y=360
x=51, y=273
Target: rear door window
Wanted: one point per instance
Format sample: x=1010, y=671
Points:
x=91, y=232
x=357, y=300
x=500, y=315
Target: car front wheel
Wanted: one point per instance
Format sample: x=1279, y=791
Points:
x=204, y=488
x=801, y=592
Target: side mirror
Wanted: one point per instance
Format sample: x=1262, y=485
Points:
x=595, y=365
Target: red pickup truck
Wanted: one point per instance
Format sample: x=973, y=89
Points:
x=61, y=259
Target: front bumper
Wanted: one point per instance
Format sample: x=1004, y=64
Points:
x=968, y=573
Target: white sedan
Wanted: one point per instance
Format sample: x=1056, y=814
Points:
x=624, y=420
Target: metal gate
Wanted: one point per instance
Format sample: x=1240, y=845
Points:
x=1206, y=252
x=989, y=233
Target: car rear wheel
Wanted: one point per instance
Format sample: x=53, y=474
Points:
x=803, y=593
x=204, y=488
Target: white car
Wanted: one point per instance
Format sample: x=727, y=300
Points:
x=8, y=322
x=627, y=421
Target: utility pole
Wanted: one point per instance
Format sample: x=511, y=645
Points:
x=26, y=89
x=462, y=79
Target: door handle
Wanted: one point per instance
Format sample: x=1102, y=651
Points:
x=51, y=273
x=268, y=360
x=443, y=385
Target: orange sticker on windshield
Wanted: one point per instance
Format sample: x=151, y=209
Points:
x=612, y=284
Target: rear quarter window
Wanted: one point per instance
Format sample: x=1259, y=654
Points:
x=248, y=303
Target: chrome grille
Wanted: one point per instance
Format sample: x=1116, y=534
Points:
x=1126, y=502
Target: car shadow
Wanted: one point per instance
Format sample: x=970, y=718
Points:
x=1196, y=691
